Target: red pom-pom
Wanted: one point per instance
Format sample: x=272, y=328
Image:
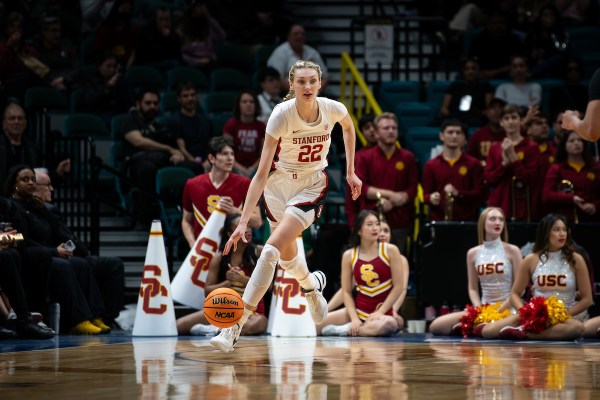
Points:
x=468, y=320
x=534, y=315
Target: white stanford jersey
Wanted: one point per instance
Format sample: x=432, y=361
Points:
x=303, y=147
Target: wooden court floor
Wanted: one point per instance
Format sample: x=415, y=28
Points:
x=117, y=366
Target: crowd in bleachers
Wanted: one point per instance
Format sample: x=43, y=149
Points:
x=156, y=80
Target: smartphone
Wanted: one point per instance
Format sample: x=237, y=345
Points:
x=69, y=245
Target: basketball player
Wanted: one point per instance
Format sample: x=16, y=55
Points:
x=218, y=187
x=589, y=127
x=290, y=173
x=492, y=265
x=380, y=277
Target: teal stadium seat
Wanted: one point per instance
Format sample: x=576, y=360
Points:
x=231, y=55
x=144, y=76
x=178, y=75
x=228, y=80
x=169, y=186
x=436, y=90
x=420, y=140
x=391, y=93
x=412, y=114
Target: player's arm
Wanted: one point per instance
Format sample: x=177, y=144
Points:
x=259, y=181
x=349, y=145
x=187, y=227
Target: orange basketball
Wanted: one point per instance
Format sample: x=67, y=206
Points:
x=223, y=307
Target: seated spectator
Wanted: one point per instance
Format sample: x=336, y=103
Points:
x=16, y=148
x=246, y=132
x=538, y=132
x=494, y=47
x=70, y=279
x=11, y=284
x=466, y=99
x=150, y=146
x=200, y=33
x=158, y=44
x=572, y=184
x=108, y=271
x=270, y=84
x=453, y=181
x=14, y=74
x=546, y=44
x=108, y=92
x=286, y=54
x=192, y=129
x=573, y=95
x=519, y=91
x=58, y=55
x=492, y=132
x=117, y=34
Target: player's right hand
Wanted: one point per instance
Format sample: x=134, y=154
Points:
x=239, y=233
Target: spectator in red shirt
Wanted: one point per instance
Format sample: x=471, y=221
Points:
x=453, y=181
x=246, y=132
x=202, y=194
x=537, y=132
x=511, y=167
x=483, y=138
x=369, y=130
x=572, y=185
x=392, y=172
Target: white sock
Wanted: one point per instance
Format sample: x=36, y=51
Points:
x=298, y=269
x=247, y=313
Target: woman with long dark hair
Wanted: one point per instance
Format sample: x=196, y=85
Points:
x=557, y=273
x=380, y=278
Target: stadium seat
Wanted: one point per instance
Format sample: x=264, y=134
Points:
x=231, y=55
x=143, y=76
x=262, y=54
x=178, y=75
x=227, y=79
x=219, y=103
x=391, y=93
x=436, y=90
x=86, y=125
x=412, y=114
x=169, y=186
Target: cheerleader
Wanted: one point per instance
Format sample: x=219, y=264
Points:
x=491, y=265
x=556, y=272
x=380, y=276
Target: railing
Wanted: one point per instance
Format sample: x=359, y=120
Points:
x=74, y=194
x=359, y=100
x=355, y=94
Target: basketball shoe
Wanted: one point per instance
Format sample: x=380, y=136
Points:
x=226, y=340
x=316, y=302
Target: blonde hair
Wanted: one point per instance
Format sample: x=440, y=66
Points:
x=300, y=64
x=385, y=115
x=481, y=225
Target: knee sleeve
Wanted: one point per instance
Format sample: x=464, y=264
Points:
x=261, y=276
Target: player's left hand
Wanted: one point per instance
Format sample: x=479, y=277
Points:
x=355, y=185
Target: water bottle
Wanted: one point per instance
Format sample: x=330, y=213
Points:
x=54, y=316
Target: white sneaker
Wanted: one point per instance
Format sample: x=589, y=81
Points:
x=316, y=302
x=204, y=330
x=226, y=340
x=335, y=330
